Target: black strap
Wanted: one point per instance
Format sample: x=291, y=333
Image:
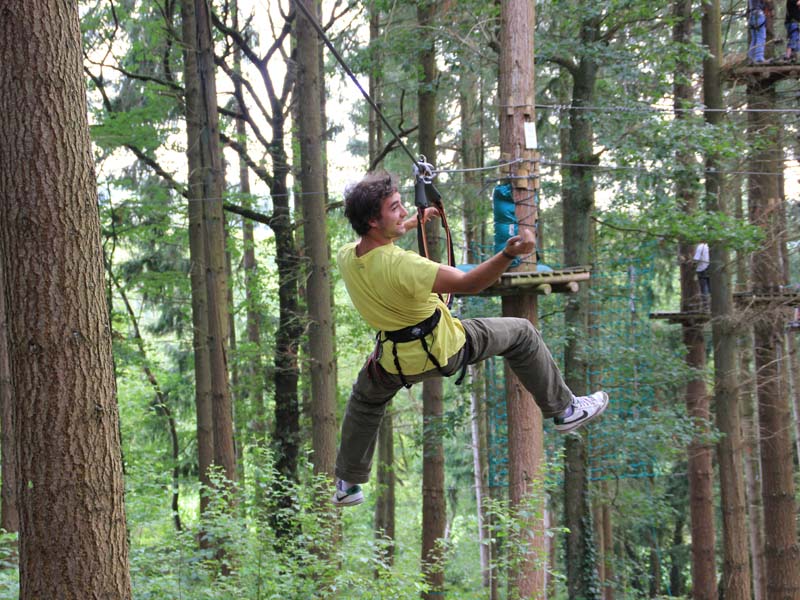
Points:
x=415, y=332
x=403, y=379
x=419, y=332
x=427, y=196
x=410, y=334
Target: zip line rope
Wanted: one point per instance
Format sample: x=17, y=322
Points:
x=658, y=110
x=313, y=22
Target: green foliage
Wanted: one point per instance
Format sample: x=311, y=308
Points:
x=9, y=580
x=257, y=563
x=511, y=534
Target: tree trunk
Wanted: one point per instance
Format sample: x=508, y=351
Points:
x=197, y=253
x=525, y=437
x=9, y=520
x=749, y=419
x=238, y=417
x=608, y=548
x=735, y=566
x=699, y=459
x=386, y=483
x=677, y=582
x=72, y=538
x=752, y=468
x=434, y=507
x=286, y=433
x=781, y=552
x=699, y=456
x=214, y=231
x=578, y=237
x=375, y=129
x=525, y=477
x=434, y=502
x=318, y=282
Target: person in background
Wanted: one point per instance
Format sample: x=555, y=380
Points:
x=701, y=263
x=757, y=22
x=397, y=292
x=792, y=22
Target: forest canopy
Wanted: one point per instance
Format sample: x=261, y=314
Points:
x=185, y=228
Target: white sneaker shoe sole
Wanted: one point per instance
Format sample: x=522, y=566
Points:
x=347, y=499
x=587, y=418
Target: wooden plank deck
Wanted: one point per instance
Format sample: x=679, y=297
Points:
x=770, y=72
x=560, y=281
x=775, y=298
x=682, y=317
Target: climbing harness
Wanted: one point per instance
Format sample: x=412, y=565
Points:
x=412, y=333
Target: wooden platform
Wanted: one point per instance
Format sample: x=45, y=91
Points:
x=765, y=72
x=750, y=300
x=772, y=298
x=689, y=317
x=558, y=281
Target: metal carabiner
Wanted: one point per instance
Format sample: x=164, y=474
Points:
x=423, y=170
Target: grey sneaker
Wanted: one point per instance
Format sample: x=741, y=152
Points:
x=584, y=409
x=347, y=497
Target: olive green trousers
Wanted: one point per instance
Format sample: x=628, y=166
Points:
x=516, y=340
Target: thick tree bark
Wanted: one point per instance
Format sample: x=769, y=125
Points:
x=9, y=520
x=72, y=534
x=525, y=437
x=781, y=551
x=318, y=282
x=735, y=566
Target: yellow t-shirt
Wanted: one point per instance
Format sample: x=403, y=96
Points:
x=391, y=288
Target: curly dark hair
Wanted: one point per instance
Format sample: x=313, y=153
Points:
x=363, y=200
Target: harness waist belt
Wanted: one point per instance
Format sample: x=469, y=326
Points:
x=414, y=332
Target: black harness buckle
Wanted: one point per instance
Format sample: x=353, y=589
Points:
x=418, y=332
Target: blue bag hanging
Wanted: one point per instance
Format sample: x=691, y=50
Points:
x=505, y=218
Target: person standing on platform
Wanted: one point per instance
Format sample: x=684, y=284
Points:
x=396, y=292
x=792, y=23
x=701, y=263
x=757, y=22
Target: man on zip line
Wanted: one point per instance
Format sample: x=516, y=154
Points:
x=397, y=292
